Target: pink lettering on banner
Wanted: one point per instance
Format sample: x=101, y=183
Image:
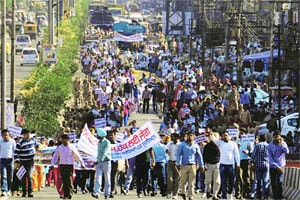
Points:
x=135, y=140
x=144, y=133
x=122, y=147
x=89, y=137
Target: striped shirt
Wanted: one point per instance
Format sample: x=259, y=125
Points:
x=25, y=149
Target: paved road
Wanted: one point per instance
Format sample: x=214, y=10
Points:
x=50, y=193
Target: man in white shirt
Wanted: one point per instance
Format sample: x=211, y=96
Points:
x=65, y=155
x=229, y=157
x=7, y=150
x=173, y=172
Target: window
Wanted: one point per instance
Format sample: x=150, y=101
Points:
x=292, y=122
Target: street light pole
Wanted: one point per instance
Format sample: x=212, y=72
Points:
x=3, y=67
x=51, y=24
x=12, y=53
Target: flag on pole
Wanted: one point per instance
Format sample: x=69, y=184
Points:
x=21, y=172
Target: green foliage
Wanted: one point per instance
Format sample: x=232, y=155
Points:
x=45, y=92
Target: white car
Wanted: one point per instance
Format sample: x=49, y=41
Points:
x=261, y=96
x=22, y=41
x=288, y=123
x=29, y=56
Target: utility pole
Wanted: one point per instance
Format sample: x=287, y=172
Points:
x=271, y=70
x=12, y=53
x=227, y=32
x=238, y=44
x=203, y=28
x=51, y=23
x=3, y=68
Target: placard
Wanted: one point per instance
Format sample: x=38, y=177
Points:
x=15, y=130
x=233, y=132
x=202, y=130
x=248, y=138
x=200, y=138
x=49, y=54
x=119, y=137
x=191, y=120
x=100, y=123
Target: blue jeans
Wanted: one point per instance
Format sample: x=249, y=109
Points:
x=103, y=168
x=129, y=178
x=227, y=175
x=159, y=173
x=6, y=167
x=262, y=177
x=200, y=181
x=28, y=165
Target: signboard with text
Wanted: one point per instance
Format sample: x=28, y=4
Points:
x=49, y=54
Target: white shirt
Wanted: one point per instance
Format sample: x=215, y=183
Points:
x=229, y=152
x=7, y=149
x=172, y=150
x=66, y=155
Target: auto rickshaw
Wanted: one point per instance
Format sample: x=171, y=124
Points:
x=30, y=28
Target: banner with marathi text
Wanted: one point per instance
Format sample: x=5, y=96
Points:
x=142, y=140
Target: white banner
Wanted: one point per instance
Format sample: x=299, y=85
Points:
x=87, y=142
x=131, y=38
x=142, y=140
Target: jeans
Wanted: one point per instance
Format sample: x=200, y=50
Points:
x=276, y=182
x=126, y=117
x=154, y=106
x=105, y=169
x=200, y=181
x=227, y=175
x=6, y=167
x=146, y=105
x=159, y=173
x=142, y=176
x=129, y=178
x=262, y=177
x=28, y=165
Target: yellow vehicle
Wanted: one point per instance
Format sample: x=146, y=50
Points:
x=30, y=28
x=117, y=9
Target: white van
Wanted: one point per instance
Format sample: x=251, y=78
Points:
x=288, y=123
x=22, y=41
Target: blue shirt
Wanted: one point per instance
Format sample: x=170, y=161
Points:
x=260, y=155
x=160, y=152
x=189, y=154
x=277, y=154
x=104, y=151
x=244, y=146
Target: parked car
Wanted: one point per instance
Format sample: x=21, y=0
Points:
x=29, y=56
x=288, y=123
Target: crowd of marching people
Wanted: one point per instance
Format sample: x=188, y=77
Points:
x=190, y=102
